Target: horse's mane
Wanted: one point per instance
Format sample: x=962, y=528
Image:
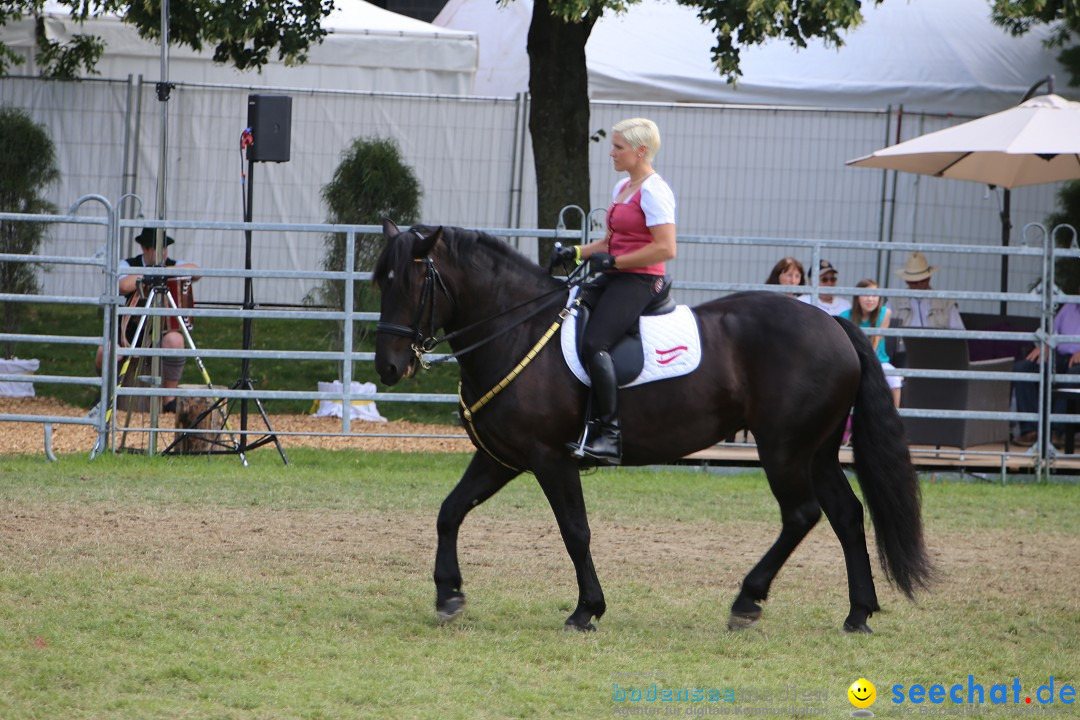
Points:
x=466, y=246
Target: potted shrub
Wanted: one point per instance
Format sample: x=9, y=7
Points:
x=371, y=182
x=29, y=168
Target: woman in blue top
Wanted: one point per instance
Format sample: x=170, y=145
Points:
x=871, y=311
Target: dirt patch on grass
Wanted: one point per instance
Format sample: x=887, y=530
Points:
x=346, y=546
x=1005, y=567
x=28, y=437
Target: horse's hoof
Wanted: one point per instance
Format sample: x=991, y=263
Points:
x=742, y=621
x=571, y=626
x=862, y=628
x=450, y=610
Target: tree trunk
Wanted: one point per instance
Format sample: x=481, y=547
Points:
x=559, y=115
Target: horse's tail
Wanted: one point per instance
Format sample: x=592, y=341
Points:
x=886, y=475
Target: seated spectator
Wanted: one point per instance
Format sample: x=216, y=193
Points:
x=914, y=312
x=827, y=277
x=132, y=270
x=924, y=312
x=871, y=311
x=1066, y=360
x=788, y=271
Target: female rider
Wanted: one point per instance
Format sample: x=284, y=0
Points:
x=640, y=238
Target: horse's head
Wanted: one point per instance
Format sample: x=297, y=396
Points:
x=414, y=300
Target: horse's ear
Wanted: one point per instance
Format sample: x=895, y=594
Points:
x=390, y=228
x=423, y=245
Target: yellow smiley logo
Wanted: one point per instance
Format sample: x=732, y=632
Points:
x=862, y=693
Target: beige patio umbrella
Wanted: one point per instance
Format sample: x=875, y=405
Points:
x=1037, y=141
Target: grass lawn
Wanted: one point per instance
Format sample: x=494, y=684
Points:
x=138, y=587
x=225, y=334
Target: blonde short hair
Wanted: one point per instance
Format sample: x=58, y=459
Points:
x=640, y=132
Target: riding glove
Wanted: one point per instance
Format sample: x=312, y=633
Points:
x=569, y=254
x=602, y=261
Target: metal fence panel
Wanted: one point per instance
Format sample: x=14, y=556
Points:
x=106, y=266
x=738, y=171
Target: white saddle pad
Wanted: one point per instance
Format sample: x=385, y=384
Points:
x=671, y=343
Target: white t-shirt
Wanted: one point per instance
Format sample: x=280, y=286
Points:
x=657, y=200
x=837, y=306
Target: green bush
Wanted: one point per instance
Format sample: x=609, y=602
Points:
x=370, y=183
x=1066, y=270
x=29, y=160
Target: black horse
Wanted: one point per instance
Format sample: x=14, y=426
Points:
x=785, y=370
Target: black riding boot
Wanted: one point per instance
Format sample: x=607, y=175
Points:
x=605, y=445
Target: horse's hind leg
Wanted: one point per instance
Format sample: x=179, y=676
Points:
x=561, y=484
x=845, y=514
x=789, y=479
x=483, y=478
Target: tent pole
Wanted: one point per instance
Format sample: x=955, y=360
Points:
x=890, y=233
x=882, y=269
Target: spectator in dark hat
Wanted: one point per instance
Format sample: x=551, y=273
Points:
x=827, y=277
x=131, y=272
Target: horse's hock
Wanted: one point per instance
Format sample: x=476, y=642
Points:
x=191, y=414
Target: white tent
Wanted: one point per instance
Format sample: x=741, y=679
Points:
x=368, y=49
x=929, y=55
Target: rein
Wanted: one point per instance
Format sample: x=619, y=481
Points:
x=467, y=411
x=501, y=385
x=424, y=344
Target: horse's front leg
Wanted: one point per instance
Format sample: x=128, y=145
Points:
x=561, y=483
x=483, y=478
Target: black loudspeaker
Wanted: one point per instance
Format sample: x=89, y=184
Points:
x=270, y=120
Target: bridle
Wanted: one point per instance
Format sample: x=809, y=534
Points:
x=423, y=343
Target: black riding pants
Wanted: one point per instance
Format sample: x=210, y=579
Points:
x=617, y=300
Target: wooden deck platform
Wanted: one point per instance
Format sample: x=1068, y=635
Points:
x=994, y=458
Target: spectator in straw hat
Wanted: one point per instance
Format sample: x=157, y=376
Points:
x=937, y=313
x=827, y=277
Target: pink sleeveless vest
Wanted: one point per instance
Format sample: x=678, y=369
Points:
x=629, y=232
